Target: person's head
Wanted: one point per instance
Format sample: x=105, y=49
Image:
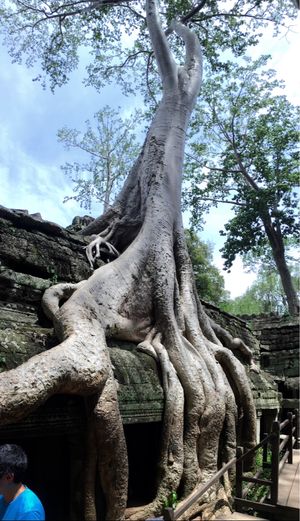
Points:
x=13, y=465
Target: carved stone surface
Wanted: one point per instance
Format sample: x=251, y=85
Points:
x=279, y=353
x=140, y=393
x=36, y=254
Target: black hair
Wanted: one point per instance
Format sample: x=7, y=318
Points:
x=13, y=460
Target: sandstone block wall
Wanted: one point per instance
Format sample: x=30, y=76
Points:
x=279, y=345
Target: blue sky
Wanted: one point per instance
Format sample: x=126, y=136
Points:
x=30, y=156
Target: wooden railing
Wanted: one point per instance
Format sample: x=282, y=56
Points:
x=281, y=446
x=279, y=443
x=171, y=515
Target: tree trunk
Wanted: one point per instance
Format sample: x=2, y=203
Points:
x=148, y=296
x=276, y=242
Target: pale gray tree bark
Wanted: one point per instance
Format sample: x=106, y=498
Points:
x=147, y=295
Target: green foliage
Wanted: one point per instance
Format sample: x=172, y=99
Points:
x=209, y=281
x=171, y=501
x=259, y=491
x=245, y=304
x=110, y=147
x=265, y=295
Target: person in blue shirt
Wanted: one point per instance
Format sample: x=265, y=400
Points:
x=17, y=502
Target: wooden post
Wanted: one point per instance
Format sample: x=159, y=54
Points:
x=239, y=473
x=168, y=514
x=265, y=452
x=297, y=443
x=290, y=435
x=275, y=441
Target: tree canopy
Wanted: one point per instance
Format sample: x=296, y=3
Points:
x=53, y=34
x=244, y=153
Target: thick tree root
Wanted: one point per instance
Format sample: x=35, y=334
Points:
x=75, y=366
x=171, y=454
x=112, y=451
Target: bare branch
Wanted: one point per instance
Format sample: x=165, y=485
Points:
x=130, y=57
x=235, y=203
x=223, y=170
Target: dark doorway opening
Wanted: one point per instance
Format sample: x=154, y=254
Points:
x=48, y=473
x=143, y=445
x=53, y=439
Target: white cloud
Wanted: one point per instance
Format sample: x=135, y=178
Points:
x=30, y=156
x=31, y=185
x=37, y=189
x=238, y=280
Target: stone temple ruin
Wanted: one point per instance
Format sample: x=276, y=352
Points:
x=35, y=254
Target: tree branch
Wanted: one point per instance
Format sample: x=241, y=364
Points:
x=224, y=170
x=193, y=12
x=129, y=58
x=184, y=19
x=235, y=203
x=234, y=15
x=55, y=14
x=193, y=53
x=244, y=172
x=84, y=149
x=232, y=142
x=166, y=63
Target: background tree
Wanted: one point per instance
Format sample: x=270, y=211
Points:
x=111, y=149
x=247, y=157
x=209, y=281
x=265, y=295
